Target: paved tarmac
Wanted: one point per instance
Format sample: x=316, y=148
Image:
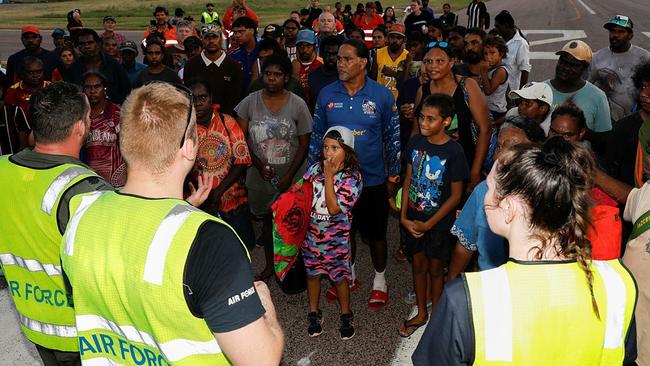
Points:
x=548, y=25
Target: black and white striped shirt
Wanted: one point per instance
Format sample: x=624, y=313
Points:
x=475, y=11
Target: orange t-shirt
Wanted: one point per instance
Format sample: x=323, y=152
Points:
x=368, y=26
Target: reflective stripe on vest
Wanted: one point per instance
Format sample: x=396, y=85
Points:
x=31, y=265
x=71, y=232
x=100, y=361
x=57, y=186
x=498, y=315
x=543, y=312
x=616, y=297
x=162, y=240
x=47, y=328
x=174, y=350
x=368, y=35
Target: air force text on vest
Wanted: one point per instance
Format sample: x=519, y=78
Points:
x=118, y=347
x=31, y=292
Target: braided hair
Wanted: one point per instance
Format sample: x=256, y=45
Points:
x=554, y=180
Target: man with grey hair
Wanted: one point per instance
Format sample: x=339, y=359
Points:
x=326, y=25
x=177, y=51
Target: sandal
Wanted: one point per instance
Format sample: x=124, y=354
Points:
x=400, y=256
x=377, y=300
x=410, y=329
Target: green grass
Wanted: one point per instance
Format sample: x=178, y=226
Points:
x=135, y=15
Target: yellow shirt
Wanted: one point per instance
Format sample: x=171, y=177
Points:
x=384, y=59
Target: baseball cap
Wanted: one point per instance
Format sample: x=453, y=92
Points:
x=129, y=46
x=306, y=36
x=58, y=32
x=272, y=31
x=210, y=29
x=30, y=29
x=621, y=21
x=346, y=134
x=109, y=17
x=397, y=29
x=535, y=90
x=578, y=49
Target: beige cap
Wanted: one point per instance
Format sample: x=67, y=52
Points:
x=578, y=49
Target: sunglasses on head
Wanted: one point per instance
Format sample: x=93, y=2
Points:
x=185, y=90
x=621, y=20
x=431, y=45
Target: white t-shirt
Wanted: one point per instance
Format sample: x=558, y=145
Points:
x=517, y=59
x=638, y=203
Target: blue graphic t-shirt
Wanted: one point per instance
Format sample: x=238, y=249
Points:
x=434, y=168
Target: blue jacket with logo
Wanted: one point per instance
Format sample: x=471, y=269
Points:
x=372, y=116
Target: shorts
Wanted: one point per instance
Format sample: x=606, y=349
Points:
x=330, y=258
x=370, y=213
x=435, y=243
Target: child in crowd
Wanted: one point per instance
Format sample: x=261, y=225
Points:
x=326, y=250
x=494, y=76
x=433, y=187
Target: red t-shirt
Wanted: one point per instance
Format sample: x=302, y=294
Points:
x=303, y=75
x=103, y=147
x=221, y=146
x=20, y=94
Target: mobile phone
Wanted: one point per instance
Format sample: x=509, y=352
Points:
x=153, y=23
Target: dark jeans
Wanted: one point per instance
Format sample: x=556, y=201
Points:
x=240, y=220
x=52, y=357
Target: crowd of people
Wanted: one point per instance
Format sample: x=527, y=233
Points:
x=119, y=177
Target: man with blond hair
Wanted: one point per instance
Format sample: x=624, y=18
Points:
x=152, y=277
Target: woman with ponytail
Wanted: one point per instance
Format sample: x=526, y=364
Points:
x=550, y=304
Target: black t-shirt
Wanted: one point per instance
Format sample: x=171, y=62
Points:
x=620, y=156
x=146, y=76
x=319, y=79
x=415, y=22
x=314, y=13
x=12, y=123
x=449, y=20
x=434, y=168
x=218, y=280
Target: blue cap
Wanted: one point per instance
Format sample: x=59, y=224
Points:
x=58, y=32
x=306, y=36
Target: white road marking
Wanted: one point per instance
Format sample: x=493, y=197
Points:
x=543, y=55
x=567, y=35
x=407, y=346
x=647, y=33
x=587, y=7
